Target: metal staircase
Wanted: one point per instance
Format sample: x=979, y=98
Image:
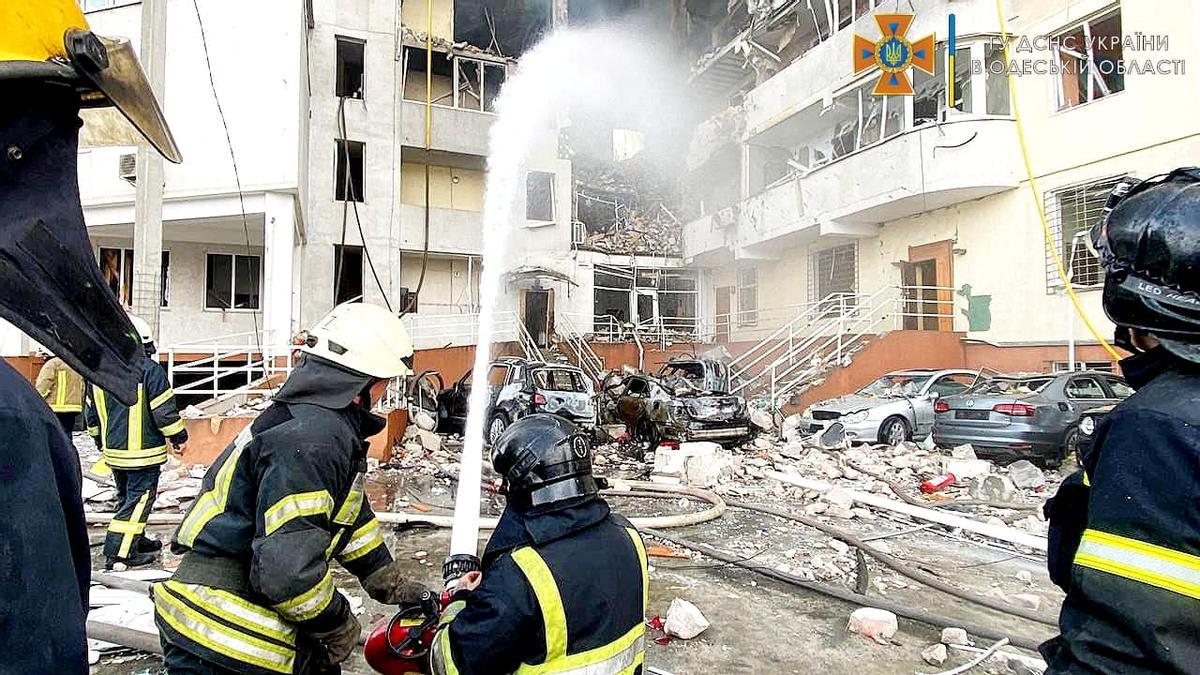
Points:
x=577, y=349
x=827, y=335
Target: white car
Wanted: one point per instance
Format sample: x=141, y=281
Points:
x=897, y=407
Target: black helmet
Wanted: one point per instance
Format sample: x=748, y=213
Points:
x=544, y=459
x=1149, y=243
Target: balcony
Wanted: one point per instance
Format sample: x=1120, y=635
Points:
x=919, y=170
x=455, y=130
x=450, y=230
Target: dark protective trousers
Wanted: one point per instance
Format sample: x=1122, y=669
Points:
x=67, y=420
x=136, y=490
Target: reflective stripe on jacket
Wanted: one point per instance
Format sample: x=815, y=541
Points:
x=574, y=606
x=287, y=498
x=132, y=437
x=60, y=386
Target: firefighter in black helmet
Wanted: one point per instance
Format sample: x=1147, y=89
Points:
x=51, y=65
x=1126, y=545
x=564, y=580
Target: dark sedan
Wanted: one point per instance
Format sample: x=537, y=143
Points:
x=1032, y=417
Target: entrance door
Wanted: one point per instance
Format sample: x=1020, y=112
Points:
x=724, y=307
x=928, y=280
x=537, y=316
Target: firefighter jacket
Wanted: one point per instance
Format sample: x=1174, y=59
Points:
x=47, y=562
x=135, y=437
x=1133, y=592
x=276, y=508
x=564, y=590
x=61, y=386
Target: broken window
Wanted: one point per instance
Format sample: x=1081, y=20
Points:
x=845, y=9
x=857, y=119
x=477, y=83
x=351, y=56
x=347, y=274
x=505, y=27
x=833, y=271
x=613, y=286
x=539, y=196
x=1072, y=212
x=998, y=102
x=747, y=296
x=348, y=178
x=231, y=281
x=1090, y=56
x=116, y=265
x=677, y=299
x=627, y=144
x=441, y=83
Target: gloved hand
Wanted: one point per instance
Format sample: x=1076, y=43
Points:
x=340, y=642
x=391, y=586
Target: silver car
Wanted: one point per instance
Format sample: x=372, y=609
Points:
x=896, y=407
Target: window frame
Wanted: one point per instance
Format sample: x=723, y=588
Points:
x=815, y=293
x=337, y=258
x=1089, y=57
x=1073, y=380
x=1052, y=201
x=232, y=283
x=164, y=301
x=339, y=40
x=338, y=155
x=551, y=201
x=747, y=315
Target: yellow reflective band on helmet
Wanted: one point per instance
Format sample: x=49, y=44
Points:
x=1138, y=561
x=237, y=610
x=173, y=428
x=216, y=636
x=641, y=554
x=162, y=398
x=310, y=603
x=212, y=503
x=33, y=30
x=554, y=617
x=364, y=540
x=298, y=505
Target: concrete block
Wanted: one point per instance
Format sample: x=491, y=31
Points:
x=684, y=620
x=966, y=469
x=876, y=624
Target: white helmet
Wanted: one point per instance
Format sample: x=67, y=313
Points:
x=365, y=338
x=143, y=329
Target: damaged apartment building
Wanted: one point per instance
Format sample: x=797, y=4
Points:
x=347, y=163
x=828, y=218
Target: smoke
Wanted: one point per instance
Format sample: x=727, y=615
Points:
x=603, y=74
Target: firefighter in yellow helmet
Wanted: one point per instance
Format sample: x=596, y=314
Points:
x=279, y=506
x=51, y=65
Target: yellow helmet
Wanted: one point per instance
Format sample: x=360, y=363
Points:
x=50, y=40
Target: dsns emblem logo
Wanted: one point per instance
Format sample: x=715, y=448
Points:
x=894, y=54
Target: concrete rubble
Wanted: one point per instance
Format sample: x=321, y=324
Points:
x=684, y=620
x=874, y=624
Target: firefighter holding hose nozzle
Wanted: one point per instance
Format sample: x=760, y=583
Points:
x=254, y=592
x=564, y=584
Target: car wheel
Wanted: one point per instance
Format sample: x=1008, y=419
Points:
x=647, y=431
x=1070, y=451
x=894, y=431
x=496, y=427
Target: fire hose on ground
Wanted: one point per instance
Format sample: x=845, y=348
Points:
x=652, y=526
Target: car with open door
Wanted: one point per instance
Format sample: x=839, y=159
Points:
x=1034, y=417
x=518, y=387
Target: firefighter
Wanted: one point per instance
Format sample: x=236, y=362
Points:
x=1133, y=582
x=253, y=592
x=133, y=442
x=51, y=64
x=564, y=584
x=62, y=388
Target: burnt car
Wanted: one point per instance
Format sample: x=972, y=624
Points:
x=1034, y=417
x=518, y=387
x=687, y=401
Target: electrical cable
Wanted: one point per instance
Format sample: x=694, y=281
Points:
x=351, y=200
x=236, y=178
x=1037, y=200
x=413, y=297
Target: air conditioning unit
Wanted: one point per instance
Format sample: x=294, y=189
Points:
x=127, y=167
